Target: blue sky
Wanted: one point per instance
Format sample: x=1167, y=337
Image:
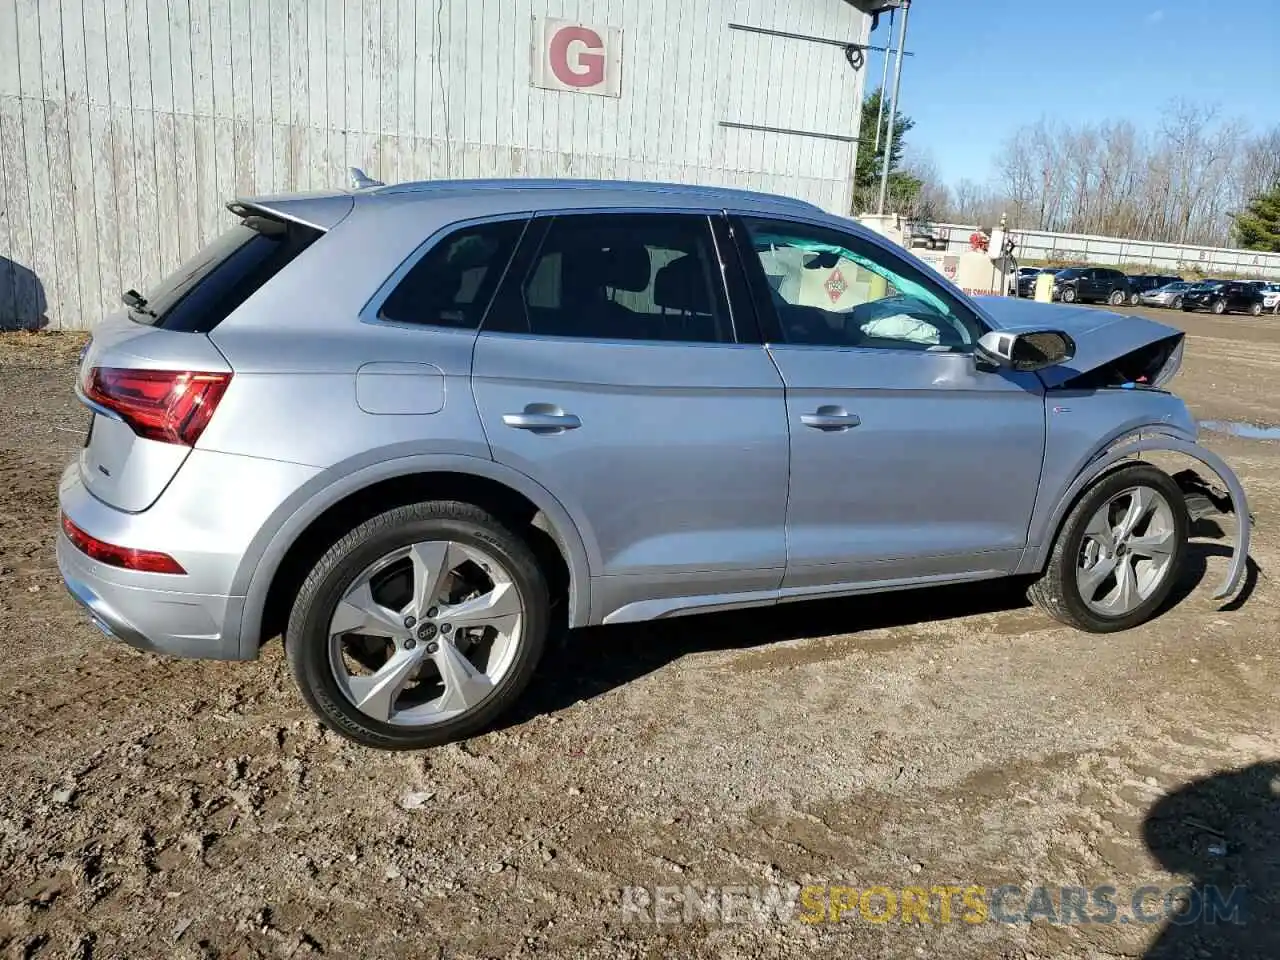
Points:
x=981, y=70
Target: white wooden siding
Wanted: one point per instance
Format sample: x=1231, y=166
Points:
x=126, y=125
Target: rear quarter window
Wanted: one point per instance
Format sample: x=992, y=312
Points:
x=454, y=281
x=204, y=290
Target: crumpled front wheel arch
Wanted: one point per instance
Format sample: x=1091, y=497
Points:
x=1129, y=450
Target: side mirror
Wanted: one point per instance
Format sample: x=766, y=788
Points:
x=1026, y=351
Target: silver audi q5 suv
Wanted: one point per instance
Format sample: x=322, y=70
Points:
x=417, y=428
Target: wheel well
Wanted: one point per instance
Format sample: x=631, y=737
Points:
x=1136, y=459
x=513, y=509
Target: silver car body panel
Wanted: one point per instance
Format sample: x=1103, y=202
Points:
x=693, y=482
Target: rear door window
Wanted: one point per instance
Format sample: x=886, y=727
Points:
x=605, y=276
x=205, y=289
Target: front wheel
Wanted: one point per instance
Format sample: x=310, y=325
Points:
x=1116, y=298
x=1118, y=553
x=420, y=626
x=1068, y=295
x=1177, y=303
x=1219, y=307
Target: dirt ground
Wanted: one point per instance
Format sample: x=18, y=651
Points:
x=163, y=808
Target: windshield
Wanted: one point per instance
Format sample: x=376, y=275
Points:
x=1069, y=274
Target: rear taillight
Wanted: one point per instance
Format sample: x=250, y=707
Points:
x=145, y=561
x=172, y=406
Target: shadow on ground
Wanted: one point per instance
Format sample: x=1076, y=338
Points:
x=1224, y=833
x=591, y=662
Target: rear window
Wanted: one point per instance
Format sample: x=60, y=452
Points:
x=202, y=292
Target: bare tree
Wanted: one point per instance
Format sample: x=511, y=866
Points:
x=930, y=200
x=1180, y=182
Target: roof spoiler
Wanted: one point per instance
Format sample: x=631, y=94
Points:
x=321, y=211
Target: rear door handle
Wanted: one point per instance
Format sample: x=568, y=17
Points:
x=542, y=421
x=830, y=418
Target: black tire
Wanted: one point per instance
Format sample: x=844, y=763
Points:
x=1219, y=307
x=1177, y=303
x=1255, y=310
x=1134, y=300
x=1116, y=298
x=1068, y=294
x=307, y=641
x=1058, y=594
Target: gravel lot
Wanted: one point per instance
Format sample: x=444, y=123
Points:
x=164, y=808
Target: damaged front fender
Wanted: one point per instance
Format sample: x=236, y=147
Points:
x=1131, y=447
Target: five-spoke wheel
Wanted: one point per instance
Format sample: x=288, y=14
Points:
x=1127, y=552
x=419, y=626
x=1117, y=554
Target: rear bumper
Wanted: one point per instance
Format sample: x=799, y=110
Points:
x=159, y=620
x=207, y=520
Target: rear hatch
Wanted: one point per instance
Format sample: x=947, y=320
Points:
x=152, y=376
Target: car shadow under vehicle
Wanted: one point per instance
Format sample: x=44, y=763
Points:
x=588, y=663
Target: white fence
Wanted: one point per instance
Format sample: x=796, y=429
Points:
x=1155, y=256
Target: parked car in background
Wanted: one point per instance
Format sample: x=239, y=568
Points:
x=1142, y=282
x=418, y=429
x=1091, y=285
x=1170, y=295
x=925, y=235
x=1024, y=285
x=1226, y=296
x=1271, y=297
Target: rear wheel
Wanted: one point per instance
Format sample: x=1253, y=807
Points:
x=1219, y=306
x=1116, y=298
x=419, y=627
x=1177, y=303
x=1256, y=310
x=1117, y=555
x=1134, y=299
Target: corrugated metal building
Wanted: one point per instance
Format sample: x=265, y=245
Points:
x=125, y=125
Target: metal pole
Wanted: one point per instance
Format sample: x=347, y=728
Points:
x=884, y=82
x=893, y=109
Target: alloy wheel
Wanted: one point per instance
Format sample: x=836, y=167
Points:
x=1127, y=551
x=425, y=633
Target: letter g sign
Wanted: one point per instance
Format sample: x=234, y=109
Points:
x=588, y=70
x=577, y=57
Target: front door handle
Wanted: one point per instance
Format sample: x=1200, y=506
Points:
x=542, y=418
x=830, y=418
